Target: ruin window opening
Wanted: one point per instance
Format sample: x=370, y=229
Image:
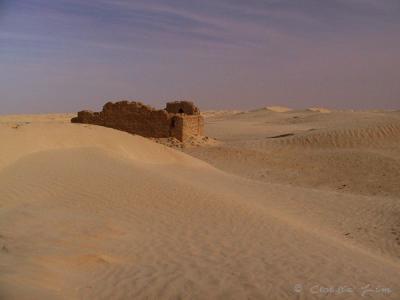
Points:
x=180, y=111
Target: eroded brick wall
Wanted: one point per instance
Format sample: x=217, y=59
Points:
x=134, y=117
x=192, y=126
x=137, y=118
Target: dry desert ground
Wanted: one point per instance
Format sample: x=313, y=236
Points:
x=284, y=204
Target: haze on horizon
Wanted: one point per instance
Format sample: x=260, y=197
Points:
x=66, y=55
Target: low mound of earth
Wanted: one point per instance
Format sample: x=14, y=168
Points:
x=88, y=212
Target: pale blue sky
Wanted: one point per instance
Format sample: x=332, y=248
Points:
x=66, y=55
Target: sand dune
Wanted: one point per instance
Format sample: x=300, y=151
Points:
x=341, y=151
x=319, y=109
x=93, y=213
x=278, y=108
x=369, y=136
x=275, y=108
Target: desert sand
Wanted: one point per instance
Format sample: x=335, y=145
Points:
x=287, y=204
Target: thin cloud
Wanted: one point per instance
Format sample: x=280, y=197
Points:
x=232, y=49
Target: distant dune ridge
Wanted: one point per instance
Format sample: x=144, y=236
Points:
x=286, y=202
x=319, y=109
x=278, y=108
x=272, y=109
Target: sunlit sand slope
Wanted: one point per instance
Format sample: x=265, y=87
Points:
x=88, y=212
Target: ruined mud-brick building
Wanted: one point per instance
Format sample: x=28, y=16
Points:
x=180, y=119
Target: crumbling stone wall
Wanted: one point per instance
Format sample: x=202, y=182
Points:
x=137, y=118
x=187, y=126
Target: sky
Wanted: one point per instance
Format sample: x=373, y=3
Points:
x=69, y=55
